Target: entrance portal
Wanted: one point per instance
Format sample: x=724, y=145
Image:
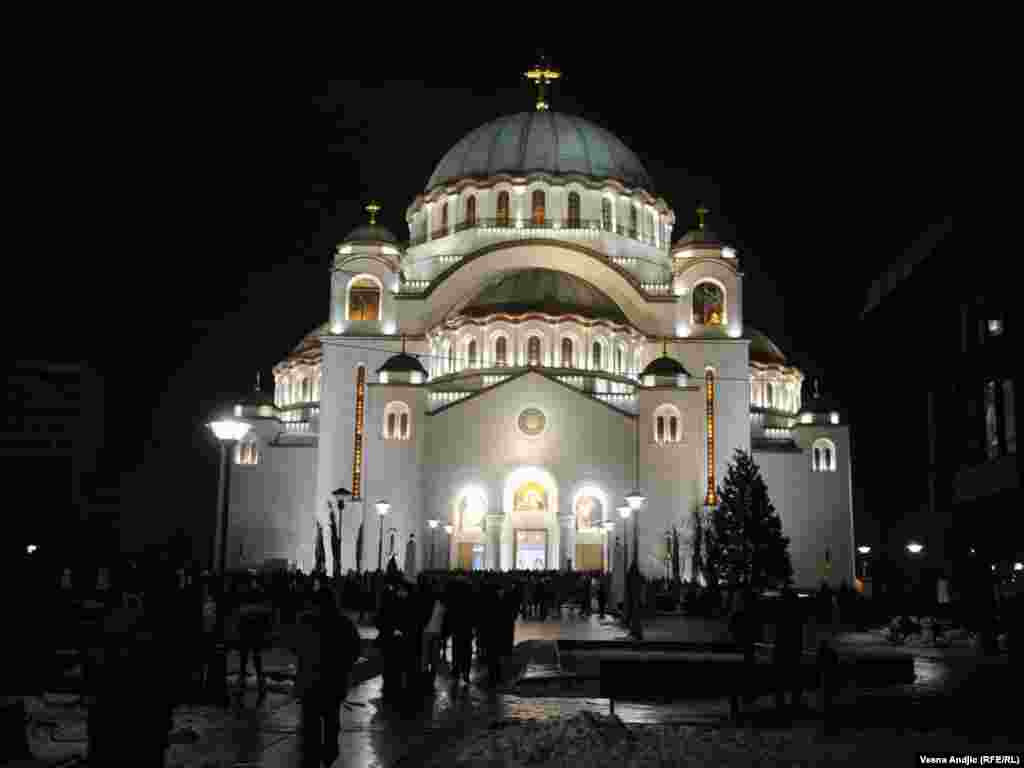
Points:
x=531, y=547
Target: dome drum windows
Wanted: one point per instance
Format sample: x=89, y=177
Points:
x=397, y=421
x=471, y=353
x=247, y=453
x=566, y=360
x=606, y=214
x=470, y=212
x=501, y=212
x=533, y=351
x=501, y=352
x=823, y=456
x=667, y=425
x=573, y=221
x=538, y=208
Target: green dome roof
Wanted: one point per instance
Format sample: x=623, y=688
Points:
x=546, y=141
x=762, y=349
x=546, y=291
x=370, y=233
x=665, y=366
x=402, y=363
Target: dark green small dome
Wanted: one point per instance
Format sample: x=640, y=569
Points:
x=256, y=399
x=370, y=233
x=664, y=366
x=546, y=291
x=762, y=349
x=402, y=363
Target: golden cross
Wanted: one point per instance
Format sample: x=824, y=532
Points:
x=372, y=208
x=701, y=213
x=541, y=74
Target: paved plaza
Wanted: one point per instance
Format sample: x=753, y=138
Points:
x=264, y=733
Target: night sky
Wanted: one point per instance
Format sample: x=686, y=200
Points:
x=820, y=169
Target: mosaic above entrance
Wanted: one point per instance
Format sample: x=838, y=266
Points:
x=532, y=421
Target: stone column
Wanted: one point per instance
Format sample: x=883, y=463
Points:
x=567, y=540
x=492, y=551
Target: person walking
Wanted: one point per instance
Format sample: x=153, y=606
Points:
x=462, y=630
x=327, y=645
x=432, y=636
x=255, y=622
x=602, y=595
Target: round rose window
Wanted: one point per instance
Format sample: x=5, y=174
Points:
x=532, y=421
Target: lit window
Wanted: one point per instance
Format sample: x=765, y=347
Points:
x=501, y=352
x=574, y=210
x=567, y=353
x=995, y=327
x=501, y=214
x=823, y=456
x=597, y=356
x=396, y=421
x=533, y=351
x=667, y=424
x=364, y=300
x=451, y=358
x=472, y=354
x=606, y=214
x=538, y=207
x=471, y=210
x=708, y=304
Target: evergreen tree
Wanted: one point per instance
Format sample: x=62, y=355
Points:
x=745, y=547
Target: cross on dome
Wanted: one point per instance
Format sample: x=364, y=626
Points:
x=701, y=213
x=372, y=209
x=541, y=74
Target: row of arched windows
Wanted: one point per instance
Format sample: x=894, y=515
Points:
x=667, y=424
x=538, y=213
x=292, y=390
x=823, y=455
x=534, y=357
x=397, y=421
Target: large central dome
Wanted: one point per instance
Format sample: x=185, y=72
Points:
x=541, y=141
x=543, y=290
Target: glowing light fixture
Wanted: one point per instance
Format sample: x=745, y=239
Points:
x=433, y=523
x=914, y=548
x=608, y=525
x=32, y=548
x=624, y=511
x=449, y=529
x=635, y=499
x=229, y=429
x=383, y=507
x=1018, y=567
x=834, y=417
x=864, y=550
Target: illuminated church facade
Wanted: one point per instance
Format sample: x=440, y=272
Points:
x=537, y=350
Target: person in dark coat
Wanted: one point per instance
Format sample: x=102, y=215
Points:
x=602, y=596
x=328, y=646
x=391, y=630
x=789, y=640
x=461, y=622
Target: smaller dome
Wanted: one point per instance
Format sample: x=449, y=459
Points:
x=402, y=363
x=664, y=366
x=370, y=233
x=698, y=236
x=762, y=349
x=256, y=399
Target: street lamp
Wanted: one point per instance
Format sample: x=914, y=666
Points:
x=433, y=527
x=609, y=526
x=624, y=512
x=864, y=550
x=227, y=431
x=914, y=547
x=382, y=509
x=449, y=529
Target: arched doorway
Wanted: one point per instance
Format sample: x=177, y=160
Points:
x=590, y=509
x=530, y=530
x=469, y=518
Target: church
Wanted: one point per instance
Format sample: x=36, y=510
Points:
x=538, y=377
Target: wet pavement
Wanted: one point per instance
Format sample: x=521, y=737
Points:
x=257, y=732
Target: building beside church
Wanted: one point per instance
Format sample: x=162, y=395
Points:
x=539, y=348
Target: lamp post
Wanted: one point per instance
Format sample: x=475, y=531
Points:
x=228, y=432
x=382, y=509
x=636, y=498
x=624, y=512
x=864, y=550
x=433, y=527
x=449, y=529
x=609, y=526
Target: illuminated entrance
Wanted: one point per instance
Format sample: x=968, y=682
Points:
x=531, y=549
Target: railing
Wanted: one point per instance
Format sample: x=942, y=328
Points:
x=414, y=286
x=574, y=381
x=617, y=399
x=490, y=381
x=775, y=433
x=567, y=224
x=437, y=399
x=659, y=288
x=450, y=258
x=297, y=428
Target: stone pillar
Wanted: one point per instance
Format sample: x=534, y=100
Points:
x=567, y=540
x=492, y=547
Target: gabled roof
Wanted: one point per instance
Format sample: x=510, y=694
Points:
x=536, y=372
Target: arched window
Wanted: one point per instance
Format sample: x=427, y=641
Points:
x=501, y=352
x=567, y=353
x=632, y=220
x=444, y=219
x=708, y=304
x=472, y=353
x=471, y=211
x=364, y=299
x=574, y=210
x=247, y=453
x=667, y=424
x=769, y=403
x=538, y=208
x=501, y=213
x=618, y=359
x=824, y=458
x=451, y=358
x=606, y=214
x=397, y=418
x=533, y=350
x=596, y=356
x=305, y=390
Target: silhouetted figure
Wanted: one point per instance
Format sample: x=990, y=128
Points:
x=602, y=596
x=789, y=641
x=255, y=619
x=327, y=645
x=462, y=630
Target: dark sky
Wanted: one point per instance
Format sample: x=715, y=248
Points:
x=821, y=168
